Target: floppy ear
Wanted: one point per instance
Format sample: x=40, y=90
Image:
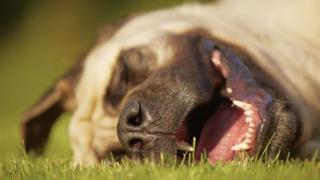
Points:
x=38, y=120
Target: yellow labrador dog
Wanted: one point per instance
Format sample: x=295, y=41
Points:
x=239, y=76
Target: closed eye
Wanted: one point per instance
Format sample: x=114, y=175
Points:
x=133, y=67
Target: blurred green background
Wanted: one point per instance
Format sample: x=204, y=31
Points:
x=39, y=40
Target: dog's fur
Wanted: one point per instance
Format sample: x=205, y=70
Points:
x=281, y=37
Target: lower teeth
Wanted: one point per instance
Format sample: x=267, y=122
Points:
x=240, y=147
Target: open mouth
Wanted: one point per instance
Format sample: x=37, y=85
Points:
x=232, y=123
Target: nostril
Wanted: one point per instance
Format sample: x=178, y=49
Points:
x=135, y=120
x=133, y=114
x=135, y=144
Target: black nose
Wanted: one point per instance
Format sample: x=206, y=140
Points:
x=132, y=115
x=132, y=124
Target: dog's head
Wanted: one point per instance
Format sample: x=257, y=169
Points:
x=166, y=88
x=174, y=87
x=167, y=81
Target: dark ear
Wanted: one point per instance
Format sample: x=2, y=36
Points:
x=38, y=120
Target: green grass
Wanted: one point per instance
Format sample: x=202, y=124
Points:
x=60, y=168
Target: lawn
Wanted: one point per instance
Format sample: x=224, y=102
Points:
x=59, y=168
x=41, y=44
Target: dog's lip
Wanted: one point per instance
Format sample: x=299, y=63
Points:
x=247, y=99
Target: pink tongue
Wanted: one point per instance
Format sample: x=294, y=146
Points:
x=225, y=128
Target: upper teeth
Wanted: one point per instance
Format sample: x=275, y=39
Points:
x=243, y=105
x=248, y=135
x=250, y=130
x=251, y=124
x=247, y=108
x=244, y=145
x=248, y=112
x=249, y=119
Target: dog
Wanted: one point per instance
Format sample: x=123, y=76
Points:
x=239, y=76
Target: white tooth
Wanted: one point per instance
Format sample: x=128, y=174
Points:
x=244, y=146
x=216, y=61
x=184, y=146
x=248, y=119
x=247, y=141
x=248, y=112
x=235, y=148
x=248, y=135
x=242, y=105
x=241, y=146
x=251, y=124
x=238, y=103
x=250, y=130
x=229, y=90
